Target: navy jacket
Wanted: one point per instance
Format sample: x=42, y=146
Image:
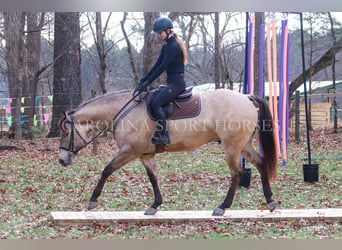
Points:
x=170, y=59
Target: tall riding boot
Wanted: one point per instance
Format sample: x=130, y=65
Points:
x=161, y=135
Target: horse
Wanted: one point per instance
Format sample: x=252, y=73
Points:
x=228, y=117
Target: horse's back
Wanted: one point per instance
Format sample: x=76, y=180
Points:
x=228, y=104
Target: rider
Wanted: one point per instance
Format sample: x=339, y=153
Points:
x=172, y=58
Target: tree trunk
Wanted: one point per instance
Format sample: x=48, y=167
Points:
x=151, y=47
x=129, y=50
x=67, y=90
x=259, y=19
x=217, y=51
x=14, y=23
x=334, y=104
x=35, y=22
x=101, y=52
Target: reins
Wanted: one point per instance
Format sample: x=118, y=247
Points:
x=136, y=93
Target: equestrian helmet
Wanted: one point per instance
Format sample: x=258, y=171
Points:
x=161, y=23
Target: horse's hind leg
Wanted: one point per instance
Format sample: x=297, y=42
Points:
x=152, y=172
x=233, y=161
x=124, y=156
x=252, y=156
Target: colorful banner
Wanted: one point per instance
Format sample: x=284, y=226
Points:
x=9, y=121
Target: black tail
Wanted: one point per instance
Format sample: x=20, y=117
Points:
x=266, y=136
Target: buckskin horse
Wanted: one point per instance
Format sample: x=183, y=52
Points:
x=228, y=117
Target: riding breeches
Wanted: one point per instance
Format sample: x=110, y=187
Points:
x=175, y=87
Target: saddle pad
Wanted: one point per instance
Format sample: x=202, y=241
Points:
x=187, y=109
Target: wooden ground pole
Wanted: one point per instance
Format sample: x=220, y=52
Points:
x=105, y=217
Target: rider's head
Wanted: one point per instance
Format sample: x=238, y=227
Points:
x=162, y=24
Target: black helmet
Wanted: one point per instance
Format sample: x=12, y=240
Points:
x=161, y=23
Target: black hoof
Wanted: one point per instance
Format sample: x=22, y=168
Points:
x=92, y=205
x=218, y=212
x=151, y=211
x=272, y=205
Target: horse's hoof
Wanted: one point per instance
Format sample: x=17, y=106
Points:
x=150, y=211
x=92, y=205
x=272, y=205
x=218, y=212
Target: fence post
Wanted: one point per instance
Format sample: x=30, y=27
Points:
x=297, y=122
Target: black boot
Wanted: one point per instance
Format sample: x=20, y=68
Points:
x=161, y=136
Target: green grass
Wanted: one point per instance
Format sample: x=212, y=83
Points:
x=32, y=184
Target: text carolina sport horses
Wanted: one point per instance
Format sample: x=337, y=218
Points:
x=227, y=116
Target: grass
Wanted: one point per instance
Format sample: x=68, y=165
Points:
x=32, y=184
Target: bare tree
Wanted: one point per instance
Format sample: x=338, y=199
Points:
x=324, y=61
x=14, y=23
x=333, y=70
x=259, y=20
x=217, y=51
x=129, y=50
x=67, y=90
x=35, y=23
x=102, y=45
x=151, y=45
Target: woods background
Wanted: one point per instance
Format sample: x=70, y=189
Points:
x=73, y=56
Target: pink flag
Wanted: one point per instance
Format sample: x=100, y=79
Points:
x=46, y=118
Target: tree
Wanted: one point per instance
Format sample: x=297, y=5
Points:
x=129, y=50
x=151, y=45
x=324, y=61
x=259, y=20
x=217, y=51
x=14, y=23
x=67, y=89
x=333, y=70
x=35, y=23
x=99, y=35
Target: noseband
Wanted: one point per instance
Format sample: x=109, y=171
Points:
x=72, y=137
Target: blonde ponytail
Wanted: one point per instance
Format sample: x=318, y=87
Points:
x=183, y=48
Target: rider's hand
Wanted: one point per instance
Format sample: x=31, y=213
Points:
x=142, y=86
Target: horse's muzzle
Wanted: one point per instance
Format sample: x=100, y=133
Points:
x=65, y=162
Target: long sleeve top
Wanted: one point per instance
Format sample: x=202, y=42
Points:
x=170, y=59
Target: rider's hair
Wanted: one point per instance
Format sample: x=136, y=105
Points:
x=183, y=48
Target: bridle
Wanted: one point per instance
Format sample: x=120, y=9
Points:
x=72, y=137
x=71, y=148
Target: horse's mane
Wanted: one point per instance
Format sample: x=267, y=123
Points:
x=98, y=98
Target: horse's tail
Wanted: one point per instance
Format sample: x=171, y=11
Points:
x=266, y=137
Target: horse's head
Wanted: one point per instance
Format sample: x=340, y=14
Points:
x=72, y=138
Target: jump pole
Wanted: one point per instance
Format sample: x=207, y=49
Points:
x=110, y=218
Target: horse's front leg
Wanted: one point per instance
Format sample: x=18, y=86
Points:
x=124, y=156
x=152, y=172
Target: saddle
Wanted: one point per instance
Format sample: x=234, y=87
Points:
x=183, y=106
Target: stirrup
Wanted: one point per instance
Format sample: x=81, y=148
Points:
x=162, y=139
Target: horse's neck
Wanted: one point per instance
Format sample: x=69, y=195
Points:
x=100, y=112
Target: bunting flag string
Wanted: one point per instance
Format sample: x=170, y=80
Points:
x=7, y=118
